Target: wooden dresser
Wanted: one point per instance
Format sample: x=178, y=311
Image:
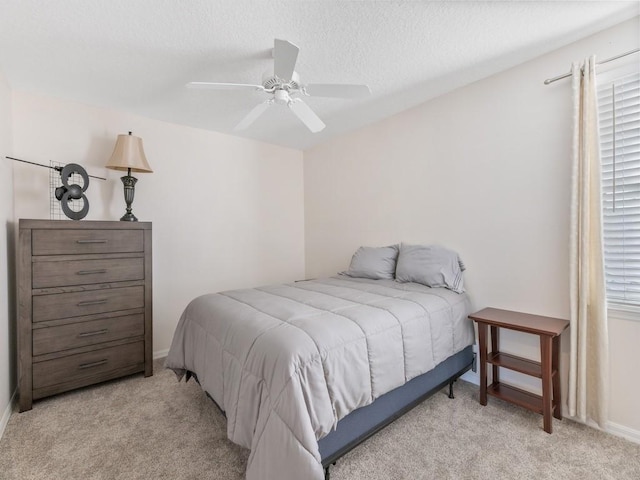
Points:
x=84, y=304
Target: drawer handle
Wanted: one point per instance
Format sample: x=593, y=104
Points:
x=90, y=241
x=91, y=272
x=82, y=366
x=91, y=302
x=91, y=334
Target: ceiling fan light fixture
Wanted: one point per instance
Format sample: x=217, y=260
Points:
x=282, y=97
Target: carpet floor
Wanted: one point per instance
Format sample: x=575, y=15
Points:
x=157, y=428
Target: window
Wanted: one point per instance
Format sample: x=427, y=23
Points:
x=619, y=111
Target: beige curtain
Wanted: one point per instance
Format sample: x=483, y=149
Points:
x=589, y=356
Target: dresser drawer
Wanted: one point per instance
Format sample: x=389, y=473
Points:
x=65, y=337
x=75, y=304
x=76, y=242
x=83, y=272
x=85, y=365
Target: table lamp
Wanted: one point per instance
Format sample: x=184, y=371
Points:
x=128, y=155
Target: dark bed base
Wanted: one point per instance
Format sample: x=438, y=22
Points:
x=360, y=424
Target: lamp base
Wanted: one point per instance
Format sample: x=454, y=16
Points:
x=129, y=183
x=128, y=217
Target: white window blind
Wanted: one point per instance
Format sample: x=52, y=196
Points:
x=619, y=112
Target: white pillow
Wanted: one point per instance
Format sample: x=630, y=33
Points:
x=430, y=265
x=374, y=262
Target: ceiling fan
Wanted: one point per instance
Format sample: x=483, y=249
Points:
x=285, y=88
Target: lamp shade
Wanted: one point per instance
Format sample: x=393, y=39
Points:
x=129, y=154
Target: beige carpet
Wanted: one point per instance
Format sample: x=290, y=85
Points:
x=156, y=428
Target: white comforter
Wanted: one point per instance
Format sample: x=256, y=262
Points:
x=287, y=362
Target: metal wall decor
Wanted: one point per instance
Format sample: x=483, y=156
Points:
x=71, y=195
x=73, y=201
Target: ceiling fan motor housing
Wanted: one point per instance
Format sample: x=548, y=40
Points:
x=272, y=82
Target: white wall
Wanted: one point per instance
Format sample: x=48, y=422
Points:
x=7, y=305
x=484, y=170
x=226, y=212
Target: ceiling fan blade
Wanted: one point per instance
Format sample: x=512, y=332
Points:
x=337, y=90
x=253, y=115
x=308, y=116
x=224, y=86
x=285, y=55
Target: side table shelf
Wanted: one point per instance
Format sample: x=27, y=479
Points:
x=549, y=330
x=519, y=397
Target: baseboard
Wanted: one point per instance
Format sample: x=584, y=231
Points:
x=160, y=354
x=471, y=377
x=624, y=432
x=7, y=413
x=612, y=428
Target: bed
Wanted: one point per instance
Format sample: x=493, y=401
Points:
x=307, y=370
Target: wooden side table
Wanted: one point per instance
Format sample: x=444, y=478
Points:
x=549, y=330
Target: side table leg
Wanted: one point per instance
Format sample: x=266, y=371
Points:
x=482, y=340
x=495, y=342
x=557, y=400
x=546, y=363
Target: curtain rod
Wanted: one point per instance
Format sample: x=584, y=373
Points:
x=560, y=77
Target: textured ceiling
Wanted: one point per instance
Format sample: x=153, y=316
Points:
x=137, y=55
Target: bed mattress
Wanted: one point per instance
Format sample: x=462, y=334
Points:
x=287, y=362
